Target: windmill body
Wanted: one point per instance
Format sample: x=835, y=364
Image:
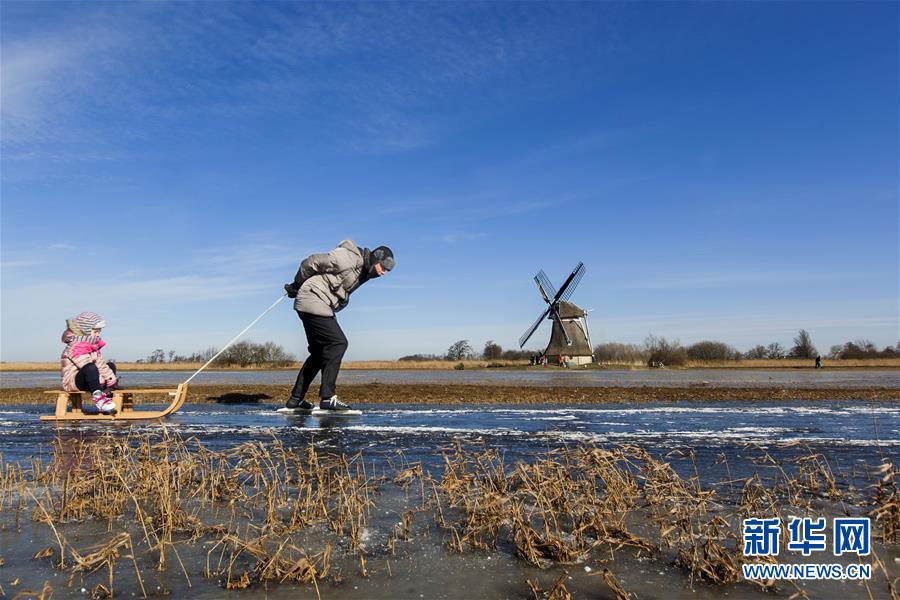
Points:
x=572, y=324
x=570, y=338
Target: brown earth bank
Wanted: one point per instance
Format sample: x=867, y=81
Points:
x=380, y=393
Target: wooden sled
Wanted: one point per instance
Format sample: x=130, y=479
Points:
x=124, y=400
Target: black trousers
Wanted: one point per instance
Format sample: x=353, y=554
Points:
x=327, y=344
x=88, y=377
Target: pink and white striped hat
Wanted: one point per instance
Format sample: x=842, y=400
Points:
x=87, y=321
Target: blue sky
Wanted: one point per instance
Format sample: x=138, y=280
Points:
x=726, y=171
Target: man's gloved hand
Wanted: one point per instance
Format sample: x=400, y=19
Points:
x=291, y=290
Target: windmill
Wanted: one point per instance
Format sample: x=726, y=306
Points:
x=569, y=336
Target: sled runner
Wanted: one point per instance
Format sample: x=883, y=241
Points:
x=124, y=400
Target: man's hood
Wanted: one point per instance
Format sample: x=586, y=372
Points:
x=349, y=245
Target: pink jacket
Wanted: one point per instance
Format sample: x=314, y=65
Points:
x=80, y=351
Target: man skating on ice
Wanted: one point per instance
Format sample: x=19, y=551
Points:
x=321, y=288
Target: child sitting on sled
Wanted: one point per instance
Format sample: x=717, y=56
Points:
x=82, y=365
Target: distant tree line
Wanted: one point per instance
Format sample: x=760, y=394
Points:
x=242, y=354
x=863, y=349
x=654, y=351
x=657, y=351
x=462, y=350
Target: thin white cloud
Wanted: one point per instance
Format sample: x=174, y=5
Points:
x=29, y=74
x=453, y=238
x=505, y=208
x=384, y=307
x=99, y=61
x=731, y=278
x=472, y=207
x=539, y=158
x=180, y=289
x=248, y=258
x=158, y=307
x=18, y=264
x=46, y=78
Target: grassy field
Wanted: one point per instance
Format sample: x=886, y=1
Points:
x=785, y=363
x=796, y=363
x=448, y=365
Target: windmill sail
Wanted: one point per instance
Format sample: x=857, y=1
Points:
x=557, y=322
x=562, y=313
x=578, y=272
x=530, y=331
x=544, y=285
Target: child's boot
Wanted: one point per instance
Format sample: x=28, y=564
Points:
x=103, y=403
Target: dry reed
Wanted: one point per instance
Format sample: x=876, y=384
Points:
x=268, y=513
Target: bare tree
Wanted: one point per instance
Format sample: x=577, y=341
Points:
x=775, y=351
x=275, y=355
x=662, y=351
x=866, y=345
x=756, y=353
x=803, y=346
x=241, y=354
x=863, y=349
x=460, y=350
x=712, y=351
x=491, y=351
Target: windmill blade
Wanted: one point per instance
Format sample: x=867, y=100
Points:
x=574, y=284
x=578, y=271
x=530, y=331
x=554, y=314
x=543, y=283
x=542, y=290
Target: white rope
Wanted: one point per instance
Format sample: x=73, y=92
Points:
x=234, y=339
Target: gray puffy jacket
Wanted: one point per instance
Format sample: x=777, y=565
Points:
x=327, y=280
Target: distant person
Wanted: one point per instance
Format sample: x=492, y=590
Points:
x=321, y=288
x=818, y=362
x=82, y=366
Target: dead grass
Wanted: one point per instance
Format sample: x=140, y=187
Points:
x=163, y=484
x=799, y=363
x=250, y=508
